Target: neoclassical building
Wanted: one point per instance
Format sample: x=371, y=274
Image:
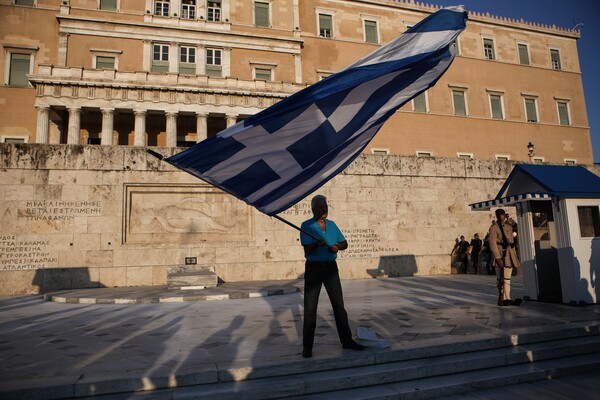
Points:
x=173, y=72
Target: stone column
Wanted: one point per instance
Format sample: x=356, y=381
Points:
x=201, y=126
x=171, y=129
x=74, y=125
x=298, y=67
x=231, y=119
x=139, y=138
x=108, y=117
x=42, y=132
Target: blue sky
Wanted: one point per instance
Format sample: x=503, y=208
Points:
x=564, y=14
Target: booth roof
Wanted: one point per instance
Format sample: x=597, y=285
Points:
x=539, y=182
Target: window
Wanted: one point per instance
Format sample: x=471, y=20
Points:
x=325, y=25
x=458, y=100
x=263, y=73
x=380, y=152
x=14, y=139
x=570, y=161
x=187, y=60
x=371, y=34
x=466, y=156
x=108, y=5
x=531, y=109
x=496, y=106
x=523, y=53
x=213, y=10
x=420, y=103
x=563, y=112
x=161, y=8
x=105, y=62
x=538, y=160
x=261, y=14
x=589, y=221
x=502, y=157
x=188, y=9
x=424, y=154
x=25, y=2
x=160, y=58
x=213, y=62
x=488, y=49
x=20, y=66
x=555, y=58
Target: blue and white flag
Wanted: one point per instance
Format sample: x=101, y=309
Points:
x=277, y=157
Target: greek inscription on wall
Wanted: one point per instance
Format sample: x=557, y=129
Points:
x=18, y=253
x=58, y=210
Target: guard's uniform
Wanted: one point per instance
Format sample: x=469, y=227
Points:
x=509, y=254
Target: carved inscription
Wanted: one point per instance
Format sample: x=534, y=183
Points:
x=18, y=253
x=58, y=210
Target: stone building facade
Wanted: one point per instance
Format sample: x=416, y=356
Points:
x=89, y=216
x=172, y=72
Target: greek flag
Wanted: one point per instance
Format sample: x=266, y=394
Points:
x=277, y=157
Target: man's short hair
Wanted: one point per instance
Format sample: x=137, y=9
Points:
x=499, y=212
x=316, y=199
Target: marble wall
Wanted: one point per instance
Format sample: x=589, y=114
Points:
x=89, y=216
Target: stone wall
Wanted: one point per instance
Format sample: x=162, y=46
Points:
x=89, y=216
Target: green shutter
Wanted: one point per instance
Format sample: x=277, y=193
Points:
x=563, y=113
x=420, y=103
x=523, y=54
x=24, y=2
x=261, y=14
x=371, y=31
x=103, y=62
x=459, y=103
x=263, y=73
x=496, y=101
x=530, y=109
x=110, y=5
x=325, y=25
x=19, y=68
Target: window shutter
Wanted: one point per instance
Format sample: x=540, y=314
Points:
x=530, y=109
x=563, y=113
x=459, y=103
x=371, y=31
x=103, y=62
x=496, y=101
x=523, y=54
x=110, y=5
x=19, y=68
x=261, y=14
x=420, y=103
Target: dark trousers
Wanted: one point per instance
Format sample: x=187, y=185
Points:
x=317, y=274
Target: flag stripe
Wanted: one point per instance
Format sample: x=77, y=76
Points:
x=277, y=157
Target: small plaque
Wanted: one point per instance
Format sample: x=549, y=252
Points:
x=191, y=261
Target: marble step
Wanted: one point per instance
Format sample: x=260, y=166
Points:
x=191, y=276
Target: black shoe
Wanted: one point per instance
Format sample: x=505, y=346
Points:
x=307, y=352
x=506, y=302
x=516, y=302
x=353, y=346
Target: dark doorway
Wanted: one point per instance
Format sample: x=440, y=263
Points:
x=546, y=253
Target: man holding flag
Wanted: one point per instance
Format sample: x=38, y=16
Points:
x=321, y=269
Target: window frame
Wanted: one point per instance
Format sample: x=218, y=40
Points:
x=9, y=50
x=375, y=21
x=263, y=68
x=519, y=44
x=570, y=161
x=331, y=15
x=425, y=97
x=493, y=49
x=189, y=67
x=537, y=114
x=214, y=13
x=20, y=139
x=493, y=93
x=163, y=9
x=212, y=68
x=595, y=221
x=424, y=153
x=567, y=109
x=33, y=3
x=557, y=67
x=160, y=65
x=380, y=151
x=269, y=13
x=464, y=156
x=105, y=53
x=502, y=157
x=464, y=99
x=189, y=11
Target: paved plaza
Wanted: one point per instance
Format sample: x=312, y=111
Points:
x=246, y=325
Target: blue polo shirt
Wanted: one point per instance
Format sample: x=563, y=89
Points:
x=331, y=236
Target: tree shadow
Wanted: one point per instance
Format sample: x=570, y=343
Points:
x=50, y=279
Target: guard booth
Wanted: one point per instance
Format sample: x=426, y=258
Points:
x=558, y=219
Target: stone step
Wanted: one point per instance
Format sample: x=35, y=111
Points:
x=428, y=371
x=432, y=370
x=191, y=276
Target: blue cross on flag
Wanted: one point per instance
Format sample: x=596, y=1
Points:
x=279, y=156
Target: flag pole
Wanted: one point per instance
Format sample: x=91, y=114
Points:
x=296, y=227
